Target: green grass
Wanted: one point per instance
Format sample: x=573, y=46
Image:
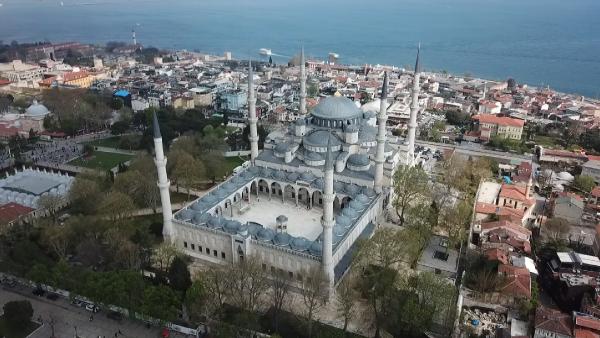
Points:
x=101, y=160
x=110, y=142
x=7, y=331
x=548, y=141
x=232, y=163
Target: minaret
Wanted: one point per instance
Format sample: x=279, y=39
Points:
x=252, y=120
x=302, y=83
x=133, y=37
x=327, y=221
x=381, y=121
x=163, y=182
x=414, y=109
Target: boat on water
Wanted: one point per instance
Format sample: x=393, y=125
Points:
x=265, y=51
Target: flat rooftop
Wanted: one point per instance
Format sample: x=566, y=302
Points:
x=301, y=222
x=34, y=185
x=488, y=191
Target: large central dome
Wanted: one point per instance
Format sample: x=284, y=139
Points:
x=336, y=108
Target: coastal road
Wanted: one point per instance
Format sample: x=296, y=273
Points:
x=477, y=151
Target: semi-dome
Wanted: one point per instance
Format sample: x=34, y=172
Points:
x=358, y=160
x=320, y=138
x=282, y=147
x=336, y=108
x=36, y=110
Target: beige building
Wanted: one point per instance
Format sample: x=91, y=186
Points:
x=22, y=74
x=506, y=127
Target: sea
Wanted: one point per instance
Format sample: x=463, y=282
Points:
x=553, y=43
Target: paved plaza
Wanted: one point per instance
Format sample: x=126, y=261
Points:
x=301, y=221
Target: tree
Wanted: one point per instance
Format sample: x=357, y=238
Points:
x=456, y=222
x=164, y=255
x=247, y=283
x=377, y=285
x=457, y=118
x=18, y=313
x=179, y=275
x=584, y=183
x=116, y=205
x=313, y=89
x=160, y=302
x=346, y=301
x=195, y=299
x=386, y=248
x=280, y=288
x=58, y=238
x=116, y=103
x=556, y=229
x=186, y=170
x=84, y=195
x=572, y=132
x=51, y=203
x=410, y=185
x=216, y=284
x=313, y=294
x=119, y=127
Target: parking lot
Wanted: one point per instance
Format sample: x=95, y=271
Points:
x=69, y=320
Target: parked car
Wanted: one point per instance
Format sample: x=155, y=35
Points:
x=52, y=296
x=9, y=282
x=39, y=291
x=92, y=308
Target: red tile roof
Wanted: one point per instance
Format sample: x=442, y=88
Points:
x=596, y=191
x=553, y=321
x=72, y=76
x=496, y=254
x=583, y=333
x=11, y=211
x=502, y=121
x=587, y=322
x=517, y=281
x=510, y=226
x=4, y=82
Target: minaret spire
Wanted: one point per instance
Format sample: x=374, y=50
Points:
x=302, y=83
x=163, y=182
x=414, y=110
x=252, y=119
x=328, y=221
x=381, y=136
x=133, y=37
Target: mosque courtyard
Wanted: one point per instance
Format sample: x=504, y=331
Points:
x=302, y=222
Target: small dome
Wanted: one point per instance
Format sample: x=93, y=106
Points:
x=350, y=213
x=300, y=244
x=279, y=175
x=352, y=189
x=36, y=110
x=369, y=192
x=318, y=183
x=282, y=148
x=282, y=239
x=316, y=248
x=335, y=108
x=356, y=205
x=292, y=177
x=185, y=215
x=338, y=231
x=281, y=219
x=198, y=206
x=265, y=172
x=209, y=200
x=254, y=228
x=216, y=222
x=339, y=186
x=312, y=156
x=307, y=176
x=344, y=221
x=221, y=193
x=229, y=187
x=362, y=198
x=232, y=226
x=265, y=235
x=200, y=218
x=358, y=160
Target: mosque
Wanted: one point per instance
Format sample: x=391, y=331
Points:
x=316, y=187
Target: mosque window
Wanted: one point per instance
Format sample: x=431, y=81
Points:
x=264, y=267
x=207, y=251
x=222, y=255
x=215, y=253
x=291, y=274
x=193, y=247
x=273, y=269
x=185, y=245
x=299, y=277
x=200, y=248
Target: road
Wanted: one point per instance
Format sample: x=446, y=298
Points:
x=476, y=151
x=71, y=320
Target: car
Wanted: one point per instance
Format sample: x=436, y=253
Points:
x=114, y=315
x=92, y=308
x=9, y=282
x=52, y=296
x=38, y=291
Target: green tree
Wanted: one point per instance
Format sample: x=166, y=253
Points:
x=179, y=275
x=313, y=294
x=116, y=205
x=18, y=313
x=84, y=195
x=196, y=299
x=584, y=183
x=410, y=185
x=186, y=170
x=116, y=103
x=160, y=302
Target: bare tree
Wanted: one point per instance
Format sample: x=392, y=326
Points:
x=410, y=184
x=313, y=294
x=58, y=237
x=51, y=203
x=555, y=229
x=280, y=288
x=247, y=283
x=164, y=255
x=215, y=282
x=346, y=301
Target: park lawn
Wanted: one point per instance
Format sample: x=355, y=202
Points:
x=232, y=163
x=101, y=160
x=6, y=331
x=548, y=141
x=109, y=142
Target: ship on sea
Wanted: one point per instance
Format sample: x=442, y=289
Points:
x=265, y=52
